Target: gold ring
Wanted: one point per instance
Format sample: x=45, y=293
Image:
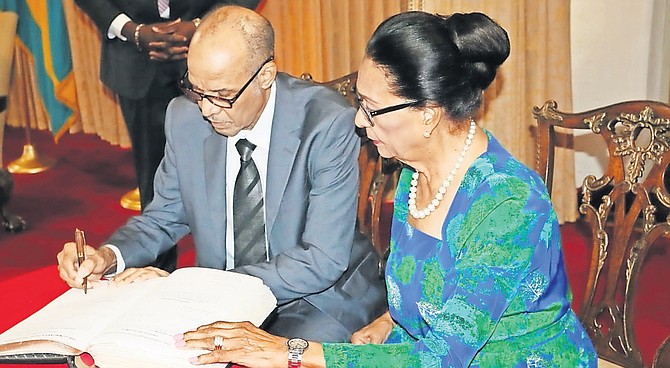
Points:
x=218, y=342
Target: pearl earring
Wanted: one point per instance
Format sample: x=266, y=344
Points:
x=426, y=134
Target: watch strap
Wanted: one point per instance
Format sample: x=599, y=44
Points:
x=296, y=346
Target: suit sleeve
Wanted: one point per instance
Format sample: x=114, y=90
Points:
x=251, y=4
x=102, y=12
x=322, y=254
x=163, y=222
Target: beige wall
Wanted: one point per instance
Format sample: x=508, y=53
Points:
x=620, y=51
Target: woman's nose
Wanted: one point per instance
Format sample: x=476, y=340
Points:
x=360, y=120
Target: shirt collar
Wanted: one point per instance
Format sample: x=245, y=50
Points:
x=260, y=133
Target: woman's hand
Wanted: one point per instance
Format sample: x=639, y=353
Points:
x=242, y=343
x=131, y=275
x=376, y=332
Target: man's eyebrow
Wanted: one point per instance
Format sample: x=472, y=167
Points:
x=217, y=91
x=224, y=91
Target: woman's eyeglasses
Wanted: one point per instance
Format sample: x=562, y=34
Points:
x=371, y=114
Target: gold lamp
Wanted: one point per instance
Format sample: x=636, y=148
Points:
x=30, y=161
x=131, y=200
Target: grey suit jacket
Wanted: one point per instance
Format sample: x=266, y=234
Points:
x=311, y=198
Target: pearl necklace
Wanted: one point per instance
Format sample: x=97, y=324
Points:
x=411, y=203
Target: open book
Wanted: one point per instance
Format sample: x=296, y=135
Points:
x=135, y=325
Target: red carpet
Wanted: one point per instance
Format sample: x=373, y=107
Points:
x=83, y=190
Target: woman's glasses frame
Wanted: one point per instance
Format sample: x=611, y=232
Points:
x=369, y=114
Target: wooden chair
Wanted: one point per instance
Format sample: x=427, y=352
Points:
x=626, y=210
x=378, y=178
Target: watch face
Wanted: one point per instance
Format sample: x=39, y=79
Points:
x=297, y=343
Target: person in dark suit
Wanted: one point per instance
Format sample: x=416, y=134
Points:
x=144, y=45
x=321, y=270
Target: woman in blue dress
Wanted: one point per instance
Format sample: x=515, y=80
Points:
x=475, y=275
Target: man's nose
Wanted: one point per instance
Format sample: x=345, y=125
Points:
x=208, y=108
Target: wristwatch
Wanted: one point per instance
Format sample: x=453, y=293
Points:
x=296, y=346
x=196, y=22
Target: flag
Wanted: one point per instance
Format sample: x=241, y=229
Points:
x=42, y=33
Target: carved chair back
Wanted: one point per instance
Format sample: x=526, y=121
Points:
x=378, y=178
x=626, y=210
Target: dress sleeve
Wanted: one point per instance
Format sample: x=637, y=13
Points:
x=487, y=251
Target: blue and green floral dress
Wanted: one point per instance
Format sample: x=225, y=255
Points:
x=492, y=292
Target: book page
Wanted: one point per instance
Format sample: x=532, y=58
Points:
x=134, y=325
x=192, y=297
x=72, y=319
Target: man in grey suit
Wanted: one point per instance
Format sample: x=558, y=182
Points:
x=144, y=44
x=323, y=273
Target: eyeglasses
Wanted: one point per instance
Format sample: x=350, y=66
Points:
x=371, y=114
x=225, y=103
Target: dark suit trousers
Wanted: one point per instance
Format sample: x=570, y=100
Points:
x=145, y=120
x=361, y=299
x=301, y=319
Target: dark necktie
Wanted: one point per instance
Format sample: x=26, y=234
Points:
x=248, y=214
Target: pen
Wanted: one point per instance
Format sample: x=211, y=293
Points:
x=80, y=241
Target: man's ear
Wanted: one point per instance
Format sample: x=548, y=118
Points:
x=268, y=74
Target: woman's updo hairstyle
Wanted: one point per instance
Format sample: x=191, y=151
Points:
x=444, y=60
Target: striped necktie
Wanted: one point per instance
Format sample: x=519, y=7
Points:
x=248, y=212
x=163, y=5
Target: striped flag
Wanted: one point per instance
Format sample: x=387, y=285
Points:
x=43, y=34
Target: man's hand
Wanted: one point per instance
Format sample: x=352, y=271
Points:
x=131, y=275
x=171, y=40
x=165, y=41
x=97, y=263
x=376, y=332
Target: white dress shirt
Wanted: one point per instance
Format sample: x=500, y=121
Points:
x=260, y=136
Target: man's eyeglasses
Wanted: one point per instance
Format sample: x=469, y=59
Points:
x=222, y=102
x=371, y=114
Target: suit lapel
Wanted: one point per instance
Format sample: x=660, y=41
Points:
x=284, y=144
x=215, y=181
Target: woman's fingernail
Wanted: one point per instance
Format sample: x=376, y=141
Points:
x=180, y=343
x=178, y=337
x=193, y=360
x=87, y=359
